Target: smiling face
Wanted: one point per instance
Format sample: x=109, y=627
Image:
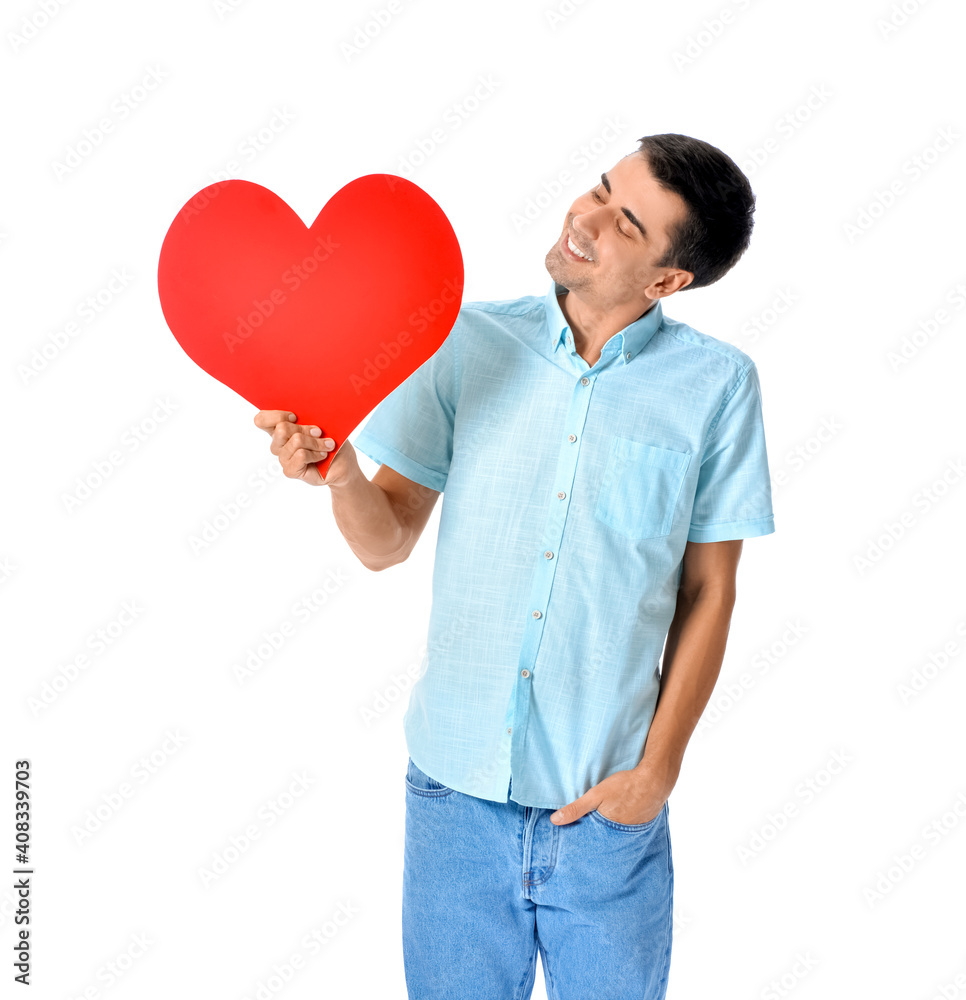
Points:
x=622, y=227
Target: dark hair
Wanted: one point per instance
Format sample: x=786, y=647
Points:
x=720, y=204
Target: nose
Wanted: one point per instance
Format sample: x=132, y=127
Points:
x=584, y=224
x=584, y=236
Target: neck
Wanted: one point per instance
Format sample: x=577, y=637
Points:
x=593, y=325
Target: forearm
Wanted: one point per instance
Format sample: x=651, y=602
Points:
x=693, y=655
x=368, y=520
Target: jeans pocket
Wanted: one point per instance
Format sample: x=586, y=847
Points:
x=640, y=488
x=628, y=827
x=420, y=783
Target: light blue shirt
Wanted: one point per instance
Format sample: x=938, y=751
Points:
x=569, y=492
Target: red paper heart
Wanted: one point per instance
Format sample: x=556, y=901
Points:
x=324, y=320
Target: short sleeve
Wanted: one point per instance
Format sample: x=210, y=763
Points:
x=733, y=494
x=411, y=430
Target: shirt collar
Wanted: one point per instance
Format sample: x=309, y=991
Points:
x=630, y=341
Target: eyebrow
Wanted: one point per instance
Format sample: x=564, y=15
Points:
x=630, y=215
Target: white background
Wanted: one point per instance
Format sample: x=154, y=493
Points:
x=863, y=454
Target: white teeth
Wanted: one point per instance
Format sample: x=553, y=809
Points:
x=574, y=249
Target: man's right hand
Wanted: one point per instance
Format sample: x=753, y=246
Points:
x=300, y=446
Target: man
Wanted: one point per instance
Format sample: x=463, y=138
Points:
x=601, y=465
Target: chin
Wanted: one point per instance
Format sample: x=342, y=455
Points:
x=558, y=270
x=556, y=260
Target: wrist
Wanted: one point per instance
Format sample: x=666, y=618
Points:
x=344, y=469
x=659, y=771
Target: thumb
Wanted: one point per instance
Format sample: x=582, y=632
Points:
x=570, y=812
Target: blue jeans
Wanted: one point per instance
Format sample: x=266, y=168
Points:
x=486, y=884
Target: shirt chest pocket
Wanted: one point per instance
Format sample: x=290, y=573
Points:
x=640, y=488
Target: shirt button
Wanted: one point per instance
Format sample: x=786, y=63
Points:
x=548, y=555
x=585, y=381
x=561, y=495
x=510, y=730
x=571, y=438
x=536, y=614
x=628, y=355
x=524, y=673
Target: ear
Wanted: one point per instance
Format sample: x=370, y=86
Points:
x=673, y=280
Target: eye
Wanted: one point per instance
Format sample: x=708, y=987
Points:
x=601, y=200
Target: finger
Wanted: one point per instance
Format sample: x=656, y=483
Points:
x=565, y=814
x=573, y=810
x=314, y=432
x=302, y=461
x=285, y=431
x=268, y=420
x=304, y=444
